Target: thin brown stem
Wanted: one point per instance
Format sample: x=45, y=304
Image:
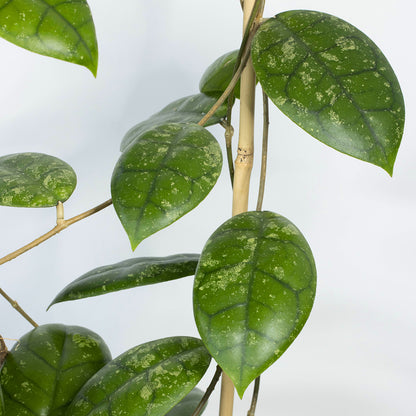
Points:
x=62, y=224
x=266, y=123
x=252, y=409
x=18, y=308
x=208, y=392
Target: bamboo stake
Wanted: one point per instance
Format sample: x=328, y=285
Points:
x=243, y=167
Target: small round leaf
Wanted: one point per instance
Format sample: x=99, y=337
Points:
x=60, y=29
x=333, y=81
x=254, y=289
x=48, y=366
x=35, y=180
x=163, y=175
x=149, y=379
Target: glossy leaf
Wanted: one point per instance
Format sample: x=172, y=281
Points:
x=149, y=379
x=127, y=274
x=48, y=366
x=163, y=175
x=333, y=81
x=218, y=75
x=189, y=109
x=187, y=405
x=35, y=180
x=254, y=289
x=60, y=29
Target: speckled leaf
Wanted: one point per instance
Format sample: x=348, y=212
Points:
x=189, y=109
x=48, y=366
x=254, y=289
x=35, y=180
x=187, y=405
x=163, y=175
x=56, y=28
x=149, y=379
x=218, y=75
x=333, y=81
x=127, y=274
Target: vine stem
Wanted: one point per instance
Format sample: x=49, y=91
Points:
x=252, y=409
x=61, y=224
x=208, y=392
x=266, y=123
x=18, y=308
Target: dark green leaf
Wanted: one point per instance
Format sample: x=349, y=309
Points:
x=254, y=289
x=163, y=175
x=35, y=180
x=47, y=367
x=187, y=406
x=127, y=274
x=146, y=380
x=218, y=75
x=185, y=110
x=2, y=410
x=333, y=81
x=60, y=29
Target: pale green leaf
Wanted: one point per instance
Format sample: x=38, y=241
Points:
x=35, y=180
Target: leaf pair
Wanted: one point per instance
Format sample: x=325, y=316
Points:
x=169, y=163
x=58, y=370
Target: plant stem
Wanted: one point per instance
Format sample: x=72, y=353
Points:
x=18, y=308
x=208, y=392
x=252, y=409
x=264, y=151
x=61, y=225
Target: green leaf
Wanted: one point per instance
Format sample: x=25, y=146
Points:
x=163, y=175
x=60, y=29
x=148, y=379
x=48, y=366
x=189, y=109
x=333, y=81
x=2, y=410
x=127, y=274
x=254, y=289
x=35, y=180
x=218, y=75
x=187, y=406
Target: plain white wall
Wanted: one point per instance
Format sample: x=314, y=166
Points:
x=355, y=355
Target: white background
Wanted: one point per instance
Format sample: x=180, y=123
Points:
x=356, y=354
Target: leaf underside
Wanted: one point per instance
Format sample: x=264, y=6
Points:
x=190, y=109
x=218, y=75
x=35, y=180
x=128, y=274
x=163, y=175
x=48, y=366
x=333, y=81
x=59, y=29
x=146, y=380
x=254, y=289
x=187, y=405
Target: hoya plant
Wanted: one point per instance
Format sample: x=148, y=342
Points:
x=255, y=278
